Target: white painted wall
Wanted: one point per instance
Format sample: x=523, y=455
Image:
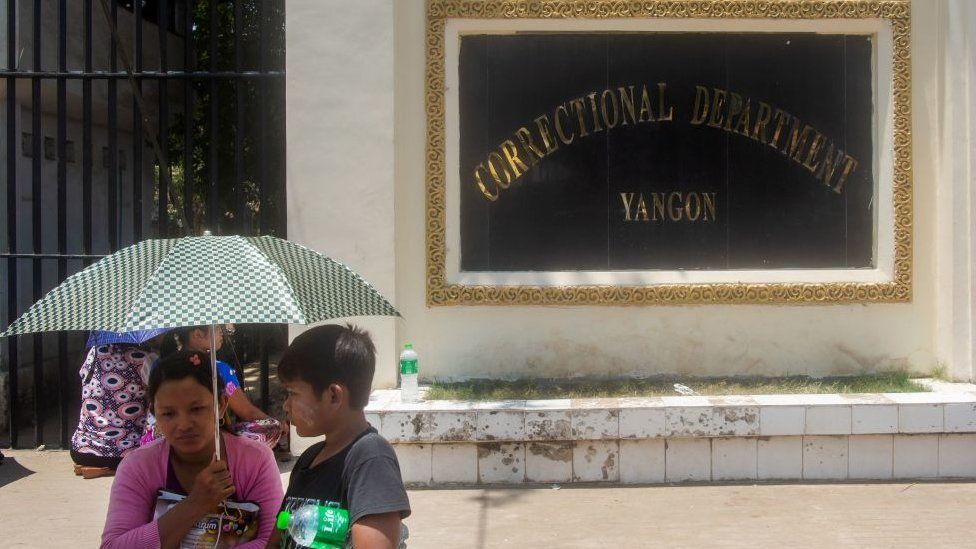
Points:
x=356, y=79
x=339, y=111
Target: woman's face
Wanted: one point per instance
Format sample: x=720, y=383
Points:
x=185, y=415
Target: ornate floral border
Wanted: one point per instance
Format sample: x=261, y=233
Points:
x=440, y=292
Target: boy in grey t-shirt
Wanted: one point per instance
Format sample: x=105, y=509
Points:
x=327, y=372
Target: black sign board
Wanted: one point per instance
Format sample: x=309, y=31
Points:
x=658, y=151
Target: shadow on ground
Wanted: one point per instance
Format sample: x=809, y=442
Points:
x=12, y=471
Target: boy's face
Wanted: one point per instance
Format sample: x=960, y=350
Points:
x=307, y=410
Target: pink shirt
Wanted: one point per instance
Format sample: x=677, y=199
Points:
x=143, y=472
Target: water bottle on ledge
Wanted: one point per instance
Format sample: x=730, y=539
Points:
x=316, y=526
x=408, y=374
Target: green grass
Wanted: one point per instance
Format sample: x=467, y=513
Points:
x=890, y=382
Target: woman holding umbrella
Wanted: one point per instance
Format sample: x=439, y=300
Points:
x=251, y=421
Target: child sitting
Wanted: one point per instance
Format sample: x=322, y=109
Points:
x=327, y=373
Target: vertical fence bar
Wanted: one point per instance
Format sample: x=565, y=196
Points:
x=263, y=214
x=63, y=370
x=86, y=122
x=241, y=210
x=36, y=212
x=113, y=141
x=137, y=140
x=12, y=342
x=164, y=179
x=189, y=120
x=212, y=194
x=263, y=217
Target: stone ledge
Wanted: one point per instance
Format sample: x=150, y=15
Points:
x=650, y=461
x=951, y=410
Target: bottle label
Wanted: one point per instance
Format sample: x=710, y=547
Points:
x=408, y=367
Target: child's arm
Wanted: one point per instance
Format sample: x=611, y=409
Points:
x=376, y=531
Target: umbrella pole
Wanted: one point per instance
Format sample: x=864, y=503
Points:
x=216, y=402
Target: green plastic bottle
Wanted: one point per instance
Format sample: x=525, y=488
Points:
x=316, y=526
x=409, y=390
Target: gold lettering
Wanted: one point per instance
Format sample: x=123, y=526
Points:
x=547, y=140
x=709, y=205
x=603, y=109
x=735, y=107
x=674, y=213
x=481, y=184
x=831, y=161
x=718, y=101
x=526, y=139
x=627, y=101
x=759, y=133
x=559, y=126
x=818, y=141
x=688, y=214
x=595, y=112
x=494, y=171
x=781, y=117
x=797, y=140
x=626, y=198
x=658, y=205
x=641, y=209
x=849, y=165
x=579, y=107
x=645, y=107
x=742, y=126
x=511, y=154
x=700, y=112
x=660, y=102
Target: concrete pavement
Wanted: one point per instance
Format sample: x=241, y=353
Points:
x=42, y=504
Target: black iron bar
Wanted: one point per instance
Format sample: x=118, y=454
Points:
x=144, y=75
x=163, y=161
x=214, y=130
x=264, y=219
x=62, y=364
x=241, y=211
x=137, y=114
x=113, y=187
x=12, y=342
x=86, y=200
x=189, y=119
x=37, y=208
x=87, y=257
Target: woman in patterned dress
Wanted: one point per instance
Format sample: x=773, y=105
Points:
x=113, y=407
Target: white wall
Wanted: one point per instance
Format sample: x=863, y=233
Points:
x=343, y=69
x=956, y=240
x=339, y=108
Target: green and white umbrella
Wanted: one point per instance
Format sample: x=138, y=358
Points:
x=204, y=280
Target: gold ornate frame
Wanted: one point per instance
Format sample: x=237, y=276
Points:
x=440, y=292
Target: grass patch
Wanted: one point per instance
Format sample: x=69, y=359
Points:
x=889, y=382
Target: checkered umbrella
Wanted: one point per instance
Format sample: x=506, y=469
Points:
x=203, y=280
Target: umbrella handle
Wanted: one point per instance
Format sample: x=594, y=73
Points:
x=216, y=404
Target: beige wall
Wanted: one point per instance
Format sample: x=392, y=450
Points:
x=342, y=162
x=339, y=100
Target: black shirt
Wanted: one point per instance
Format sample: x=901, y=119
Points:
x=363, y=478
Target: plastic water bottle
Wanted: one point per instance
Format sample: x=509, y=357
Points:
x=316, y=526
x=408, y=374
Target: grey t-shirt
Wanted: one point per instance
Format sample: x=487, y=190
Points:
x=363, y=478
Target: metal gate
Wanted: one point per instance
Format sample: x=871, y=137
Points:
x=125, y=120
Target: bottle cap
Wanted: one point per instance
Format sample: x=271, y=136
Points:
x=408, y=345
x=284, y=518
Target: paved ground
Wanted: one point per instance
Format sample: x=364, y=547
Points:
x=42, y=504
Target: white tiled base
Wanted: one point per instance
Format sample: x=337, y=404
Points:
x=642, y=461
x=681, y=439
